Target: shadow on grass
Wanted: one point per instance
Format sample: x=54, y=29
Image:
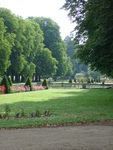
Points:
x=85, y=105
x=72, y=102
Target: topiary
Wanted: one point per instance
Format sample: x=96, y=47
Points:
x=28, y=83
x=70, y=80
x=10, y=81
x=44, y=83
x=6, y=83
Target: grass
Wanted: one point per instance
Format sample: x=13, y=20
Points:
x=66, y=105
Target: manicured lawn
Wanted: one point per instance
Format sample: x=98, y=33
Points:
x=66, y=106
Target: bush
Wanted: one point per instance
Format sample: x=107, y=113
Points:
x=75, y=80
x=22, y=113
x=10, y=81
x=84, y=86
x=44, y=83
x=6, y=83
x=47, y=113
x=28, y=83
x=7, y=110
x=92, y=81
x=88, y=81
x=70, y=80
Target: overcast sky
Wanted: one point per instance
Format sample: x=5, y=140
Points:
x=45, y=8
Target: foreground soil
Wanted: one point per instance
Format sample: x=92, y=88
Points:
x=91, y=137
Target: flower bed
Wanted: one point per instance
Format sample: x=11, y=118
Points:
x=21, y=88
x=2, y=89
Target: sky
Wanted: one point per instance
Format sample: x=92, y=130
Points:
x=42, y=8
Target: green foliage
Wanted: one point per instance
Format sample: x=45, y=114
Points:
x=75, y=80
x=29, y=46
x=22, y=112
x=70, y=80
x=6, y=43
x=93, y=32
x=88, y=81
x=37, y=113
x=29, y=70
x=6, y=83
x=10, y=20
x=54, y=43
x=45, y=63
x=28, y=83
x=47, y=113
x=44, y=83
x=10, y=81
x=7, y=109
x=72, y=47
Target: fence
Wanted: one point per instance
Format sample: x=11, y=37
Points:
x=79, y=85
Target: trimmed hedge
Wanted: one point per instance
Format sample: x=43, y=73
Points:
x=6, y=83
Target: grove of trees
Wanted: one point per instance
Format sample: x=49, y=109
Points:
x=31, y=47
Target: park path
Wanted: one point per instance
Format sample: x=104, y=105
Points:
x=90, y=137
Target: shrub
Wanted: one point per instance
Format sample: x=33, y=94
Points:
x=7, y=110
x=6, y=83
x=84, y=86
x=88, y=81
x=22, y=113
x=0, y=116
x=37, y=113
x=10, y=81
x=47, y=113
x=28, y=83
x=17, y=115
x=44, y=83
x=70, y=80
x=92, y=81
x=75, y=80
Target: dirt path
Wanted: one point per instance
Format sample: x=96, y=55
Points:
x=62, y=138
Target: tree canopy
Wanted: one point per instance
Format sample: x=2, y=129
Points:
x=94, y=31
x=31, y=47
x=55, y=44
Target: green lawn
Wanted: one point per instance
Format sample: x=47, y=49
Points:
x=66, y=105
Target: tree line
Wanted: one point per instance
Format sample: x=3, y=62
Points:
x=31, y=47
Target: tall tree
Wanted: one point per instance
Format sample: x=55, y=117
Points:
x=72, y=47
x=94, y=24
x=8, y=24
x=53, y=41
x=29, y=40
x=6, y=43
x=46, y=65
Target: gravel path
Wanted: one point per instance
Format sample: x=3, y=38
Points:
x=61, y=138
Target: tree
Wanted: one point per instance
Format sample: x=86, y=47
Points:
x=28, y=41
x=28, y=83
x=6, y=43
x=45, y=63
x=10, y=20
x=72, y=47
x=94, y=32
x=28, y=70
x=54, y=43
